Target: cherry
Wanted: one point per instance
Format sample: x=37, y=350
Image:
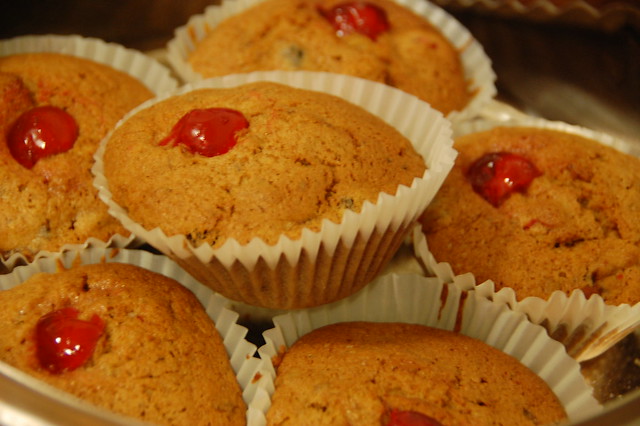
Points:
x=65, y=342
x=41, y=132
x=495, y=176
x=411, y=418
x=361, y=17
x=207, y=132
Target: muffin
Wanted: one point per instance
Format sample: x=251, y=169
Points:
x=378, y=373
x=409, y=324
x=300, y=201
x=394, y=45
x=147, y=348
x=303, y=157
x=47, y=193
x=540, y=210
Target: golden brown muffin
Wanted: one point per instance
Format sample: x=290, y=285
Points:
x=305, y=157
x=159, y=357
x=54, y=202
x=411, y=55
x=575, y=227
x=361, y=373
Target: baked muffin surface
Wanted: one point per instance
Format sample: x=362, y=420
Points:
x=575, y=227
x=54, y=203
x=159, y=358
x=358, y=373
x=411, y=55
x=305, y=157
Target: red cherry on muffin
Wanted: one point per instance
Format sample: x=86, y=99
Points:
x=65, y=342
x=495, y=176
x=360, y=17
x=207, y=132
x=411, y=418
x=41, y=132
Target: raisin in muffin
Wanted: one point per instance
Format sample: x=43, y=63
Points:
x=384, y=373
x=569, y=221
x=394, y=46
x=148, y=349
x=49, y=201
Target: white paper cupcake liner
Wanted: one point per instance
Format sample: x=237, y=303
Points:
x=240, y=351
x=18, y=259
x=149, y=71
x=476, y=64
x=499, y=114
x=353, y=251
x=587, y=327
x=416, y=299
x=403, y=262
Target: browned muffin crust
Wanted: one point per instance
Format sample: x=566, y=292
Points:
x=305, y=157
x=55, y=203
x=576, y=227
x=356, y=373
x=160, y=358
x=293, y=35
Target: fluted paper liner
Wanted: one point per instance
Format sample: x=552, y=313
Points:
x=240, y=351
x=430, y=301
x=403, y=262
x=476, y=64
x=150, y=72
x=319, y=267
x=587, y=327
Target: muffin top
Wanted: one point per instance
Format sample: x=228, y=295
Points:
x=300, y=157
x=373, y=373
x=51, y=201
x=395, y=46
x=569, y=222
x=155, y=354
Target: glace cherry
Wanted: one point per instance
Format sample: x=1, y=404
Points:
x=207, y=132
x=41, y=132
x=411, y=418
x=361, y=17
x=495, y=176
x=65, y=342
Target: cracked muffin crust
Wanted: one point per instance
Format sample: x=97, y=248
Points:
x=367, y=373
x=575, y=227
x=54, y=202
x=304, y=157
x=411, y=55
x=159, y=358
